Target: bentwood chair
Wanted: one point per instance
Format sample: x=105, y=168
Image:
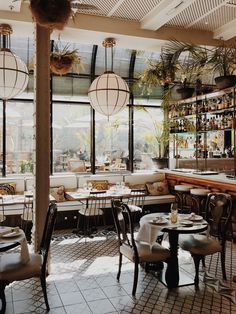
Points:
x=135, y=251
x=136, y=202
x=92, y=212
x=13, y=270
x=218, y=215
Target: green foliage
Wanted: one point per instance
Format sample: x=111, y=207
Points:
x=222, y=59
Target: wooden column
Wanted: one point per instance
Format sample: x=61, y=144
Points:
x=42, y=133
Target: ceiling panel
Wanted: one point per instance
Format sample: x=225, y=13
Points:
x=135, y=10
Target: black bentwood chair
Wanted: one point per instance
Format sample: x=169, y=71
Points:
x=218, y=215
x=13, y=270
x=135, y=251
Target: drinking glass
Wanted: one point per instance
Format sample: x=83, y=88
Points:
x=174, y=213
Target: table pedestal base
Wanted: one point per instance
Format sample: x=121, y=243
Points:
x=185, y=279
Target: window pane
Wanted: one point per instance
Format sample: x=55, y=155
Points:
x=19, y=137
x=121, y=61
x=147, y=133
x=111, y=140
x=71, y=137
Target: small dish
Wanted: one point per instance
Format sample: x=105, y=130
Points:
x=186, y=223
x=195, y=218
x=159, y=221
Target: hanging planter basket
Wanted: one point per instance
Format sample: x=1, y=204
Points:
x=51, y=13
x=62, y=60
x=60, y=65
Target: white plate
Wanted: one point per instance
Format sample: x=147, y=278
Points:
x=158, y=221
x=186, y=223
x=11, y=234
x=195, y=218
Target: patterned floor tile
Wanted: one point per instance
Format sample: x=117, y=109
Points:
x=83, y=280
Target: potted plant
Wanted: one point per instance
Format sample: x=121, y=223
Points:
x=222, y=58
x=180, y=63
x=190, y=61
x=62, y=60
x=51, y=13
x=158, y=72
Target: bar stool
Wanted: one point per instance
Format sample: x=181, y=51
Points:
x=199, y=197
x=182, y=191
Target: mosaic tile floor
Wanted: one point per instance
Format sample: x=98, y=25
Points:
x=83, y=280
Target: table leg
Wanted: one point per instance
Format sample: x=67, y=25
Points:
x=172, y=271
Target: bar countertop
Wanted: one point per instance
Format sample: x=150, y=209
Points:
x=215, y=180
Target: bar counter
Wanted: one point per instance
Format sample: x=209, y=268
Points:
x=215, y=183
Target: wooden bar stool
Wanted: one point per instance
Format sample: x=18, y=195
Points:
x=182, y=191
x=199, y=197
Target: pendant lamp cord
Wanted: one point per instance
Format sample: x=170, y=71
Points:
x=106, y=59
x=112, y=54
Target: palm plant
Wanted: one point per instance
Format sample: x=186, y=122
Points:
x=222, y=60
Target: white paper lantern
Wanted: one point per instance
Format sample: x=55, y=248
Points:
x=108, y=94
x=14, y=74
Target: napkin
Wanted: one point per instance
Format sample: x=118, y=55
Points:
x=7, y=230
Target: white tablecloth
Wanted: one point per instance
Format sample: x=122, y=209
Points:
x=5, y=237
x=148, y=232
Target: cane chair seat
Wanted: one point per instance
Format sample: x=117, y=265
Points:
x=200, y=244
x=146, y=253
x=12, y=268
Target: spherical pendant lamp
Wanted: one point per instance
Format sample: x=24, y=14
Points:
x=14, y=74
x=108, y=93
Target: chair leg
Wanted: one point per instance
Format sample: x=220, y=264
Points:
x=119, y=269
x=135, y=278
x=3, y=285
x=197, y=259
x=222, y=255
x=44, y=288
x=203, y=262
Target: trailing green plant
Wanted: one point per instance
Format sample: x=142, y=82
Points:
x=180, y=63
x=63, y=59
x=190, y=61
x=158, y=72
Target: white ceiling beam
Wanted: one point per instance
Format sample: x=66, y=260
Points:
x=116, y=7
x=206, y=14
x=226, y=31
x=10, y=5
x=163, y=13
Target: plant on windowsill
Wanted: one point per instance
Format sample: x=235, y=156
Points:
x=26, y=166
x=222, y=59
x=63, y=60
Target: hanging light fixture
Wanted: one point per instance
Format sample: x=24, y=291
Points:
x=14, y=74
x=108, y=93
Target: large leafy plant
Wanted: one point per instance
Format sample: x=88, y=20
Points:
x=222, y=59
